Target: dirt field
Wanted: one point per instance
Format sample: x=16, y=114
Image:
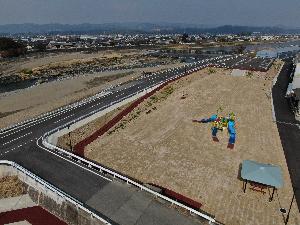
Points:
x=62, y=58
x=158, y=143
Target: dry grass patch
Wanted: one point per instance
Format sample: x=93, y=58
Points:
x=11, y=186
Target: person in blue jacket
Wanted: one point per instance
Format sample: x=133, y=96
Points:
x=232, y=133
x=221, y=123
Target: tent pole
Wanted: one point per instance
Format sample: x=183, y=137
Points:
x=272, y=195
x=245, y=185
x=288, y=215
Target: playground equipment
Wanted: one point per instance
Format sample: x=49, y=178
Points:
x=221, y=123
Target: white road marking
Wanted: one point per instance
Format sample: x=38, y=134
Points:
x=64, y=118
x=291, y=124
x=19, y=146
x=18, y=131
x=6, y=143
x=52, y=114
x=35, y=122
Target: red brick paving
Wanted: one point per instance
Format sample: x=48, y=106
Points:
x=35, y=215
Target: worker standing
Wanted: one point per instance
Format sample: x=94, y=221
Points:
x=221, y=123
x=231, y=130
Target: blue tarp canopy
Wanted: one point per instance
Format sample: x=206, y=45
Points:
x=267, y=174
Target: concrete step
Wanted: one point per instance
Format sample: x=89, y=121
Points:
x=19, y=223
x=14, y=203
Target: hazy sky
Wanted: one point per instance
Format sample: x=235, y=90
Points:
x=211, y=12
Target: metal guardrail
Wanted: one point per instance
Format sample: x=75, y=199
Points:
x=89, y=163
x=112, y=103
x=113, y=173
x=95, y=111
x=70, y=106
x=54, y=189
x=78, y=103
x=60, y=109
x=115, y=102
x=127, y=180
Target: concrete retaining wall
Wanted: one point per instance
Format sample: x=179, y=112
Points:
x=52, y=202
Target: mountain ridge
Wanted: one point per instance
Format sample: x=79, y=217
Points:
x=133, y=27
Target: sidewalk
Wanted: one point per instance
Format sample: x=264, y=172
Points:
x=14, y=203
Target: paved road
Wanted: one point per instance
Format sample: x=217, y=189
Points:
x=114, y=201
x=288, y=127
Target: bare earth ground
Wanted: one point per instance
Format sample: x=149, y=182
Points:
x=27, y=103
x=62, y=58
x=158, y=143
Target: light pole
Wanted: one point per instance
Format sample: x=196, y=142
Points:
x=70, y=140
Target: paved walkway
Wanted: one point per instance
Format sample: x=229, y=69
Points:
x=127, y=205
x=14, y=203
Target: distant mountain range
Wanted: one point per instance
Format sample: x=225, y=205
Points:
x=164, y=28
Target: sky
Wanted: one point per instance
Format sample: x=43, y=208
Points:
x=206, y=12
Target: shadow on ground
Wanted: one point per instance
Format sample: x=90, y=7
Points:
x=288, y=128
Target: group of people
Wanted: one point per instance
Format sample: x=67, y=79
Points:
x=221, y=123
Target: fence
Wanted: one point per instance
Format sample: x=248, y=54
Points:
x=54, y=189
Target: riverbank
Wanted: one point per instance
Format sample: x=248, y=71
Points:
x=27, y=103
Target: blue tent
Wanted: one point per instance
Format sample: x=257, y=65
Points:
x=267, y=174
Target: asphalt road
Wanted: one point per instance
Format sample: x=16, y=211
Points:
x=288, y=127
x=110, y=199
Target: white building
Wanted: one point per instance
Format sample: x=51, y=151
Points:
x=296, y=81
x=293, y=92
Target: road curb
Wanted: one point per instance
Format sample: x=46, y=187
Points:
x=271, y=91
x=80, y=146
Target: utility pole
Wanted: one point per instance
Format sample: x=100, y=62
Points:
x=70, y=140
